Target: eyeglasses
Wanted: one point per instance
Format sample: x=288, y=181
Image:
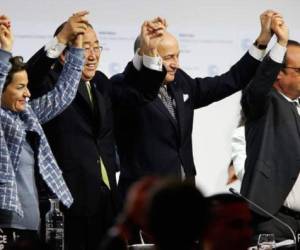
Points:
x=297, y=70
x=95, y=49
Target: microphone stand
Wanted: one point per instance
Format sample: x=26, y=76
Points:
x=233, y=191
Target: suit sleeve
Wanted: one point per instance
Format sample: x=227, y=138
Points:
x=54, y=102
x=256, y=95
x=133, y=87
x=212, y=89
x=38, y=68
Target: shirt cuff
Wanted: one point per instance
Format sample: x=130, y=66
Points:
x=258, y=54
x=277, y=53
x=5, y=56
x=54, y=48
x=137, y=61
x=154, y=63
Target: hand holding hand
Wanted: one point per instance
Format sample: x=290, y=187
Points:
x=280, y=29
x=76, y=24
x=151, y=35
x=5, y=20
x=266, y=32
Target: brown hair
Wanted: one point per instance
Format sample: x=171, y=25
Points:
x=17, y=64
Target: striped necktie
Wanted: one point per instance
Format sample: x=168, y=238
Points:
x=89, y=90
x=167, y=100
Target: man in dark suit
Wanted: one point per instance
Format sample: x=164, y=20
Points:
x=156, y=138
x=81, y=138
x=271, y=107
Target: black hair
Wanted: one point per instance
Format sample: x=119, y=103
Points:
x=177, y=215
x=290, y=43
x=223, y=199
x=61, y=26
x=17, y=65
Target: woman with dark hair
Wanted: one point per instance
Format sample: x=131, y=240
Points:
x=24, y=150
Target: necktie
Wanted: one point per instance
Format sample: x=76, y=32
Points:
x=89, y=90
x=102, y=167
x=297, y=106
x=167, y=100
x=170, y=105
x=104, y=173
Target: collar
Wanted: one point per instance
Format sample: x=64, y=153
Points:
x=289, y=99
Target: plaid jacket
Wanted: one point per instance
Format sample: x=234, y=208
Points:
x=13, y=127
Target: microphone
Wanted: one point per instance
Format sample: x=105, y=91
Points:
x=26, y=99
x=233, y=191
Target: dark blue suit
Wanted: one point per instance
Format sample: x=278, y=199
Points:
x=151, y=142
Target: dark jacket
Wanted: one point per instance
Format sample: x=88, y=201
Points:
x=151, y=142
x=272, y=136
x=82, y=132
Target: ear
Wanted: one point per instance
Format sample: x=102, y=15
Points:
x=280, y=75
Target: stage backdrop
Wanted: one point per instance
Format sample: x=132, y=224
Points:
x=212, y=34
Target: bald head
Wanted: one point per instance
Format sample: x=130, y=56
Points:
x=168, y=50
x=167, y=40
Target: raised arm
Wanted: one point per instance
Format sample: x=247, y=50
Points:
x=39, y=65
x=256, y=95
x=211, y=89
x=140, y=81
x=55, y=101
x=6, y=43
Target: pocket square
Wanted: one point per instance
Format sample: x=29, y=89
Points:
x=185, y=97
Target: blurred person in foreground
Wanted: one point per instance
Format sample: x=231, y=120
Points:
x=229, y=227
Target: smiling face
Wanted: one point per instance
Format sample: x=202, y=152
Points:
x=92, y=54
x=15, y=94
x=168, y=50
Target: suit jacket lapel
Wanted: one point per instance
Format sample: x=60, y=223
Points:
x=99, y=105
x=162, y=108
x=297, y=117
x=294, y=110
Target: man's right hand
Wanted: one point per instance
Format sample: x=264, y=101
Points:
x=76, y=24
x=266, y=32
